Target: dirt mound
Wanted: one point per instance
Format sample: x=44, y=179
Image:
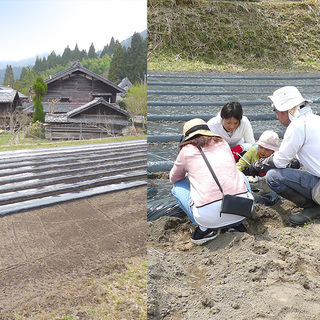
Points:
x=270, y=272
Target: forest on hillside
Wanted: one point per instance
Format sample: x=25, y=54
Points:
x=114, y=62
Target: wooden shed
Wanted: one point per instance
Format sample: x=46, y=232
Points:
x=80, y=104
x=9, y=101
x=95, y=119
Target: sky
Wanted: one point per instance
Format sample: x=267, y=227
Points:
x=32, y=27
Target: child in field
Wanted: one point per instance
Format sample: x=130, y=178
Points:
x=267, y=144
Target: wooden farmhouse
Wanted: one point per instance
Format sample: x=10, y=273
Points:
x=10, y=100
x=80, y=104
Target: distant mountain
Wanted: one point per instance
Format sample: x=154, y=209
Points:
x=127, y=43
x=18, y=65
x=22, y=63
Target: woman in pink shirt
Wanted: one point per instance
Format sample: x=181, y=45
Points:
x=194, y=187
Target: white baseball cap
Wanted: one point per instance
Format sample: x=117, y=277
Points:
x=287, y=98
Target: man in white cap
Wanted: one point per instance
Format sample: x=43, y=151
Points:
x=301, y=140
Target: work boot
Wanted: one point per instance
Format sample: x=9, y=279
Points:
x=311, y=209
x=297, y=198
x=306, y=215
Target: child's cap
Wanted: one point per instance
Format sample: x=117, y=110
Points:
x=269, y=140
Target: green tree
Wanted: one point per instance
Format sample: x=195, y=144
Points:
x=27, y=77
x=92, y=52
x=66, y=56
x=23, y=74
x=36, y=67
x=8, y=77
x=76, y=54
x=136, y=100
x=83, y=54
x=117, y=65
x=39, y=88
x=104, y=51
x=112, y=46
x=52, y=60
x=137, y=59
x=98, y=65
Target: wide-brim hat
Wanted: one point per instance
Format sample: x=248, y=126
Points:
x=195, y=127
x=287, y=98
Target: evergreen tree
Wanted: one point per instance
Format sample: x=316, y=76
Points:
x=112, y=46
x=83, y=55
x=36, y=67
x=92, y=52
x=44, y=64
x=66, y=56
x=39, y=88
x=27, y=77
x=52, y=60
x=23, y=74
x=117, y=66
x=8, y=77
x=59, y=60
x=137, y=59
x=76, y=54
x=104, y=51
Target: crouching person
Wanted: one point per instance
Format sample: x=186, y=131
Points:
x=301, y=140
x=194, y=186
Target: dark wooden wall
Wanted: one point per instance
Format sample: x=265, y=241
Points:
x=78, y=87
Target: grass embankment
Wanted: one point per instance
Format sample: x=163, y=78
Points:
x=205, y=35
x=30, y=143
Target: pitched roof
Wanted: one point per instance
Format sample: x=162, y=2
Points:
x=93, y=103
x=77, y=66
x=125, y=82
x=7, y=94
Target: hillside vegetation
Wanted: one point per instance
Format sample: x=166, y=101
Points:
x=233, y=35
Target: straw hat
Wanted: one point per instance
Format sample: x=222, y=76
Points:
x=196, y=126
x=269, y=140
x=287, y=98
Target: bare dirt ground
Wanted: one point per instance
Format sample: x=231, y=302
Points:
x=52, y=258
x=270, y=272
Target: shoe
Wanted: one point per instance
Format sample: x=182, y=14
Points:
x=238, y=228
x=306, y=215
x=199, y=237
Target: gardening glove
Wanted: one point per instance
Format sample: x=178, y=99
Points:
x=253, y=172
x=263, y=165
x=294, y=164
x=237, y=149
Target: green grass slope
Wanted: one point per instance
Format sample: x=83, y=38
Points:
x=233, y=35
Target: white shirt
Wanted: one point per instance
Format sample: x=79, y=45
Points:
x=243, y=135
x=301, y=139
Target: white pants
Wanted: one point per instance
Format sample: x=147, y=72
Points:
x=209, y=216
